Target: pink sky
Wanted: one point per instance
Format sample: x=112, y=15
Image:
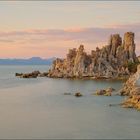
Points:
x=48, y=29
x=56, y=42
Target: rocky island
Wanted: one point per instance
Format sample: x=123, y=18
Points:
x=111, y=61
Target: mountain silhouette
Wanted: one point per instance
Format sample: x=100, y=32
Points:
x=30, y=61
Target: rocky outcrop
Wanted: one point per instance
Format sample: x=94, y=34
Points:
x=33, y=74
x=132, y=89
x=108, y=62
x=129, y=45
x=78, y=94
x=105, y=92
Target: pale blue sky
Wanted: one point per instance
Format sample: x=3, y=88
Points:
x=18, y=15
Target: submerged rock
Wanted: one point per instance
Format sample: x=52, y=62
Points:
x=67, y=93
x=78, y=94
x=105, y=92
x=110, y=89
x=28, y=75
x=100, y=92
x=34, y=74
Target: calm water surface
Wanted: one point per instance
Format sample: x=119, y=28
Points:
x=37, y=108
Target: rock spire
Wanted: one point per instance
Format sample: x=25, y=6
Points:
x=107, y=62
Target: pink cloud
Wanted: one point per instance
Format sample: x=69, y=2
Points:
x=54, y=42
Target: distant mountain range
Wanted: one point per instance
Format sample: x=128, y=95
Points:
x=30, y=61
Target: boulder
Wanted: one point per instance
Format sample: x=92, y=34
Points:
x=101, y=92
x=105, y=92
x=28, y=75
x=18, y=74
x=78, y=94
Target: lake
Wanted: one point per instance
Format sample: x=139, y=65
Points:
x=37, y=108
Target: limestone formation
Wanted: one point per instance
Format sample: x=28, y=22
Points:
x=132, y=89
x=129, y=45
x=108, y=62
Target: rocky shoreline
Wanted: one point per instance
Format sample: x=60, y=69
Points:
x=111, y=62
x=37, y=73
x=132, y=89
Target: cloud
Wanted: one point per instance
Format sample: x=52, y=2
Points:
x=52, y=40
x=6, y=41
x=89, y=34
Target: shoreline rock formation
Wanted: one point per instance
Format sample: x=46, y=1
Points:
x=108, y=62
x=132, y=89
x=33, y=74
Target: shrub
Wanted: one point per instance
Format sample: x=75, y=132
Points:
x=132, y=67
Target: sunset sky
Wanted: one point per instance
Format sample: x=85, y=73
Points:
x=47, y=29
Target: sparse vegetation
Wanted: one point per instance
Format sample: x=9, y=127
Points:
x=132, y=67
